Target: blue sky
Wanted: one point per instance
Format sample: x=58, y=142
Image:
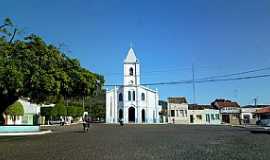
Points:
x=219, y=37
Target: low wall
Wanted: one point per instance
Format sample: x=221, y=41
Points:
x=19, y=128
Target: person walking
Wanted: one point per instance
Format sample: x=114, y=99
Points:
x=86, y=123
x=121, y=121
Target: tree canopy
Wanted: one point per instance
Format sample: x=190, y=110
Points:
x=59, y=110
x=16, y=109
x=30, y=67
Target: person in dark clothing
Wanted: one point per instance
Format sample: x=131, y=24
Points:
x=121, y=121
x=86, y=123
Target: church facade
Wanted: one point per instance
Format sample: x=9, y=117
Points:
x=132, y=102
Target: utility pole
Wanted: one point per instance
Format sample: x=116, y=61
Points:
x=193, y=83
x=255, y=101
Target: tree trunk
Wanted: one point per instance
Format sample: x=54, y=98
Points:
x=14, y=120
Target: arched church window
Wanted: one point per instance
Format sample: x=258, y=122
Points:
x=131, y=71
x=143, y=97
x=133, y=95
x=129, y=95
x=120, y=98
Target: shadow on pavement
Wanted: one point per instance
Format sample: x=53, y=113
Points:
x=260, y=132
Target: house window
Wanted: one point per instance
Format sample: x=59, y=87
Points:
x=182, y=113
x=143, y=97
x=212, y=117
x=172, y=113
x=235, y=116
x=133, y=95
x=207, y=118
x=129, y=95
x=199, y=117
x=253, y=115
x=120, y=98
x=217, y=116
x=131, y=71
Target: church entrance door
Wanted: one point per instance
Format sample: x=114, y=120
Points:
x=120, y=114
x=143, y=115
x=131, y=114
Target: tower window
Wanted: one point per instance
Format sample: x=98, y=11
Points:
x=143, y=97
x=129, y=95
x=133, y=95
x=120, y=98
x=131, y=71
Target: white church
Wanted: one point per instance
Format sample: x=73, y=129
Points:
x=132, y=102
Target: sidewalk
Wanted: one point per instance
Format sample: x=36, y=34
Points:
x=26, y=133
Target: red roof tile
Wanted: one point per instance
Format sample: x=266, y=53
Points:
x=227, y=104
x=263, y=110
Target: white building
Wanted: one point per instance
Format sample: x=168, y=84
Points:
x=248, y=113
x=178, y=110
x=203, y=114
x=132, y=102
x=30, y=117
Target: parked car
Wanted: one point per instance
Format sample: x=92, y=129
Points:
x=52, y=122
x=263, y=122
x=60, y=122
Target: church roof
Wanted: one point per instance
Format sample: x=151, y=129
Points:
x=131, y=57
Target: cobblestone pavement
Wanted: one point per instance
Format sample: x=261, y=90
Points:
x=138, y=142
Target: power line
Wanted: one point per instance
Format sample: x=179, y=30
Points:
x=238, y=73
x=199, y=81
x=234, y=79
x=210, y=78
x=190, y=69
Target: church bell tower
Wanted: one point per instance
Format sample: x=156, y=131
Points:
x=131, y=69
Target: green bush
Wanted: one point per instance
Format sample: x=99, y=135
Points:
x=59, y=110
x=14, y=110
x=74, y=111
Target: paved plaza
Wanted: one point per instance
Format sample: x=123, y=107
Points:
x=140, y=142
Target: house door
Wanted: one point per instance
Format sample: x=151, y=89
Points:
x=191, y=119
x=246, y=119
x=226, y=118
x=131, y=114
x=120, y=114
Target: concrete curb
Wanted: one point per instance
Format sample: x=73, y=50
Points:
x=134, y=123
x=26, y=133
x=48, y=125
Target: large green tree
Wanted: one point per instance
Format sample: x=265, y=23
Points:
x=29, y=67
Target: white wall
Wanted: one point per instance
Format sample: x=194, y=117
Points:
x=11, y=122
x=111, y=101
x=180, y=112
x=30, y=108
x=214, y=116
